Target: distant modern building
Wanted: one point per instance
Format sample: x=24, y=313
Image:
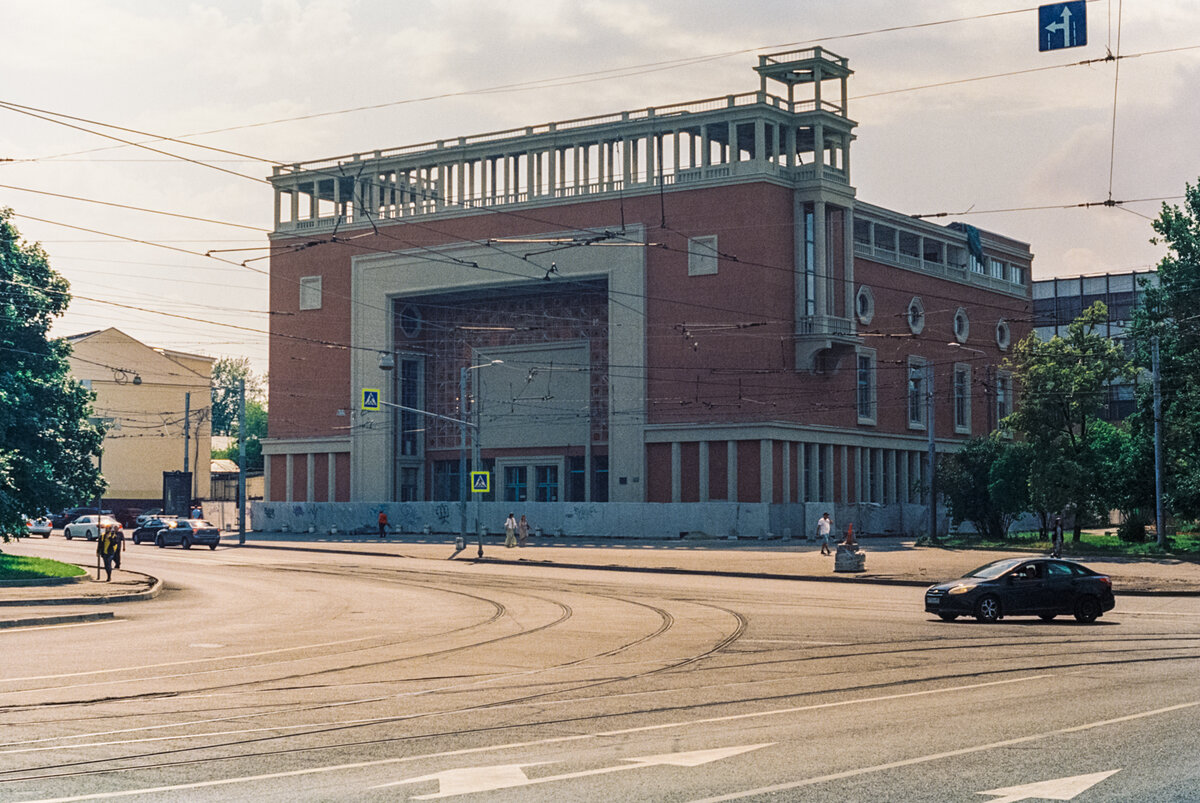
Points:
x=155, y=403
x=682, y=308
x=1058, y=302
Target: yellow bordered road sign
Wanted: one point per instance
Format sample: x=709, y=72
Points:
x=481, y=482
x=370, y=398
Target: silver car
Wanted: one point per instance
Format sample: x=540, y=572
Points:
x=89, y=527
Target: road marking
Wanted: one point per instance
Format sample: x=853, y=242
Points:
x=470, y=780
x=6, y=630
x=466, y=751
x=1056, y=789
x=837, y=776
x=183, y=663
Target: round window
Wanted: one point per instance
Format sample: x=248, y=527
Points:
x=864, y=305
x=916, y=316
x=962, y=325
x=1003, y=334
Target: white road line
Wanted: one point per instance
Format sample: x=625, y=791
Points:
x=536, y=742
x=7, y=630
x=837, y=776
x=208, y=659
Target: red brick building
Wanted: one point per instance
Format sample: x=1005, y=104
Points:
x=676, y=304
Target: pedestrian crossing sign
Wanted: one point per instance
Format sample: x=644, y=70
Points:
x=481, y=482
x=370, y=398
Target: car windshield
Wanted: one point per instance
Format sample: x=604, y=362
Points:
x=994, y=569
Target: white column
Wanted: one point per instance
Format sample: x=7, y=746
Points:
x=766, y=471
x=676, y=472
x=902, y=477
x=731, y=483
x=267, y=478
x=845, y=473
x=703, y=471
x=760, y=141
x=310, y=469
x=819, y=247
x=287, y=494
x=858, y=454
x=786, y=479
x=331, y=471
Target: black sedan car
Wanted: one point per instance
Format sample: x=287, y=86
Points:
x=148, y=529
x=1044, y=587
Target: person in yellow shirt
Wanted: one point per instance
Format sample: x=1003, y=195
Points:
x=109, y=546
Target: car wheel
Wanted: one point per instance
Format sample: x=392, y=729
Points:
x=68, y=535
x=1087, y=609
x=186, y=543
x=45, y=535
x=1047, y=617
x=948, y=617
x=160, y=542
x=988, y=609
x=212, y=547
x=88, y=534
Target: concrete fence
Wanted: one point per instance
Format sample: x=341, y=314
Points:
x=595, y=519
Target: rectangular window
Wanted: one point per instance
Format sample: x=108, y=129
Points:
x=447, y=483
x=962, y=398
x=310, y=292
x=409, y=484
x=702, y=256
x=547, y=483
x=411, y=427
x=866, y=388
x=600, y=478
x=1004, y=400
x=515, y=486
x=810, y=260
x=997, y=269
x=916, y=393
x=576, y=478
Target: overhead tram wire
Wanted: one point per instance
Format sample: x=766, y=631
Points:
x=134, y=208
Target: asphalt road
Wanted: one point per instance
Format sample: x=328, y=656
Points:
x=278, y=675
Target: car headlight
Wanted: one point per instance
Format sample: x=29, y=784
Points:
x=960, y=589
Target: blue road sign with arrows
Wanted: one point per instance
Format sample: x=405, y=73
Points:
x=1062, y=25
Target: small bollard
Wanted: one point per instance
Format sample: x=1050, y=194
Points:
x=459, y=544
x=425, y=529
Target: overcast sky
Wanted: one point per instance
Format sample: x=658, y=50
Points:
x=1036, y=130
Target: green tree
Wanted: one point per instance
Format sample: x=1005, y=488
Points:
x=1063, y=385
x=46, y=440
x=256, y=430
x=1169, y=312
x=986, y=483
x=227, y=372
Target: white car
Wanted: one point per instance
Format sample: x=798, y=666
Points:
x=89, y=527
x=39, y=526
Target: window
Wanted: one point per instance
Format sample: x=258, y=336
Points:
x=864, y=305
x=866, y=387
x=1003, y=335
x=962, y=398
x=515, y=486
x=410, y=321
x=916, y=316
x=962, y=325
x=547, y=483
x=1003, y=397
x=409, y=484
x=916, y=393
x=810, y=260
x=997, y=269
x=576, y=478
x=310, y=292
x=447, y=485
x=600, y=478
x=1016, y=274
x=702, y=256
x=411, y=427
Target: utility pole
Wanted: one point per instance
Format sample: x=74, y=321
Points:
x=187, y=432
x=241, y=461
x=1160, y=521
x=462, y=450
x=932, y=459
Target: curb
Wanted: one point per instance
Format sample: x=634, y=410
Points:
x=39, y=582
x=153, y=591
x=56, y=620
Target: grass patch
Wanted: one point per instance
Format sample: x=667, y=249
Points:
x=1183, y=546
x=21, y=567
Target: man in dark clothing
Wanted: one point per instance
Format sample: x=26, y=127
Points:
x=109, y=546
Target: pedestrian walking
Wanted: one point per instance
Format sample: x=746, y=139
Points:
x=109, y=543
x=824, y=528
x=196, y=513
x=522, y=530
x=510, y=531
x=383, y=524
x=1057, y=542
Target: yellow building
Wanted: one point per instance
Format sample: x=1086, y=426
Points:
x=142, y=393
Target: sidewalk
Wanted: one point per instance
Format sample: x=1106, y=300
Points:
x=890, y=561
x=893, y=561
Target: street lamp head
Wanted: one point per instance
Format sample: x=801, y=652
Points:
x=386, y=361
